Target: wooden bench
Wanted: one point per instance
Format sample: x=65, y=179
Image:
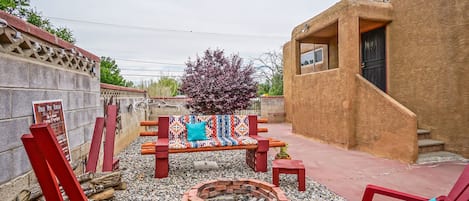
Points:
x=224, y=132
x=148, y=148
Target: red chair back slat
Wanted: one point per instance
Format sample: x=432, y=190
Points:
x=110, y=136
x=42, y=170
x=95, y=145
x=44, y=138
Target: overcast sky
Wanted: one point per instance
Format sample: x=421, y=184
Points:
x=149, y=36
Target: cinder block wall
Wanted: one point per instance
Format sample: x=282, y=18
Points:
x=168, y=106
x=29, y=73
x=273, y=108
x=23, y=81
x=128, y=121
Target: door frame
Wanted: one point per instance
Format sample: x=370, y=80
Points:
x=386, y=55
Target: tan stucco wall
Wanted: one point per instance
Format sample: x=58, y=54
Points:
x=426, y=71
x=325, y=100
x=319, y=113
x=428, y=67
x=329, y=105
x=383, y=126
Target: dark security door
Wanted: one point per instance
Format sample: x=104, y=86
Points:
x=374, y=57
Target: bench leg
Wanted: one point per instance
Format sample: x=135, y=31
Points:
x=256, y=160
x=275, y=176
x=261, y=162
x=261, y=155
x=161, y=165
x=301, y=180
x=161, y=168
x=250, y=158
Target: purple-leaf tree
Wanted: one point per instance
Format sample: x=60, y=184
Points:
x=217, y=84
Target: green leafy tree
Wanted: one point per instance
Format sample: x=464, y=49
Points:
x=20, y=8
x=129, y=83
x=165, y=87
x=15, y=7
x=276, y=87
x=170, y=83
x=110, y=72
x=35, y=18
x=263, y=88
x=65, y=34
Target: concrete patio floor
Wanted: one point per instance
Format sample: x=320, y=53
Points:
x=347, y=172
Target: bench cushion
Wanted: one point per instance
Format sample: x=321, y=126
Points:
x=221, y=130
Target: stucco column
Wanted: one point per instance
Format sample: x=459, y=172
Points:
x=288, y=73
x=349, y=65
x=295, y=70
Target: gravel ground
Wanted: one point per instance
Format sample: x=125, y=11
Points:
x=138, y=172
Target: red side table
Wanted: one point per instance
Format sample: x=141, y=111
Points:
x=289, y=167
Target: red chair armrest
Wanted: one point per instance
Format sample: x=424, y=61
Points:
x=371, y=190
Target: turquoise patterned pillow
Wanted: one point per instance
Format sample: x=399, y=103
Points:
x=196, y=131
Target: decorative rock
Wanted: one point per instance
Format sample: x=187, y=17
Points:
x=205, y=165
x=138, y=173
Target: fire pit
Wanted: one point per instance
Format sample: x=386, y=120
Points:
x=239, y=189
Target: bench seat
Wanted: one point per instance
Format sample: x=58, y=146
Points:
x=223, y=132
x=148, y=148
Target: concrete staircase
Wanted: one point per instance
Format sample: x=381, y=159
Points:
x=426, y=144
x=432, y=151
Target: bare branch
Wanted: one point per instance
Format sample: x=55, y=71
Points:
x=269, y=64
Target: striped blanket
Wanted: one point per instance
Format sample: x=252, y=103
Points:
x=221, y=130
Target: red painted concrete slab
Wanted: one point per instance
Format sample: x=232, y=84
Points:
x=347, y=172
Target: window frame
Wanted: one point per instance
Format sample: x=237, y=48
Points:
x=313, y=57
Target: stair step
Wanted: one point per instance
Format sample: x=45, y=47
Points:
x=423, y=131
x=423, y=134
x=438, y=157
x=428, y=145
x=429, y=142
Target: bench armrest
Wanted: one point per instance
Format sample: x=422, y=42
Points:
x=262, y=143
x=371, y=190
x=162, y=145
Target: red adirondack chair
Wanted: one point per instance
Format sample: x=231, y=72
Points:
x=459, y=192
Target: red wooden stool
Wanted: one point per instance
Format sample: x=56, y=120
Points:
x=289, y=167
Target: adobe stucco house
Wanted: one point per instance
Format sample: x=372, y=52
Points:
x=391, y=67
